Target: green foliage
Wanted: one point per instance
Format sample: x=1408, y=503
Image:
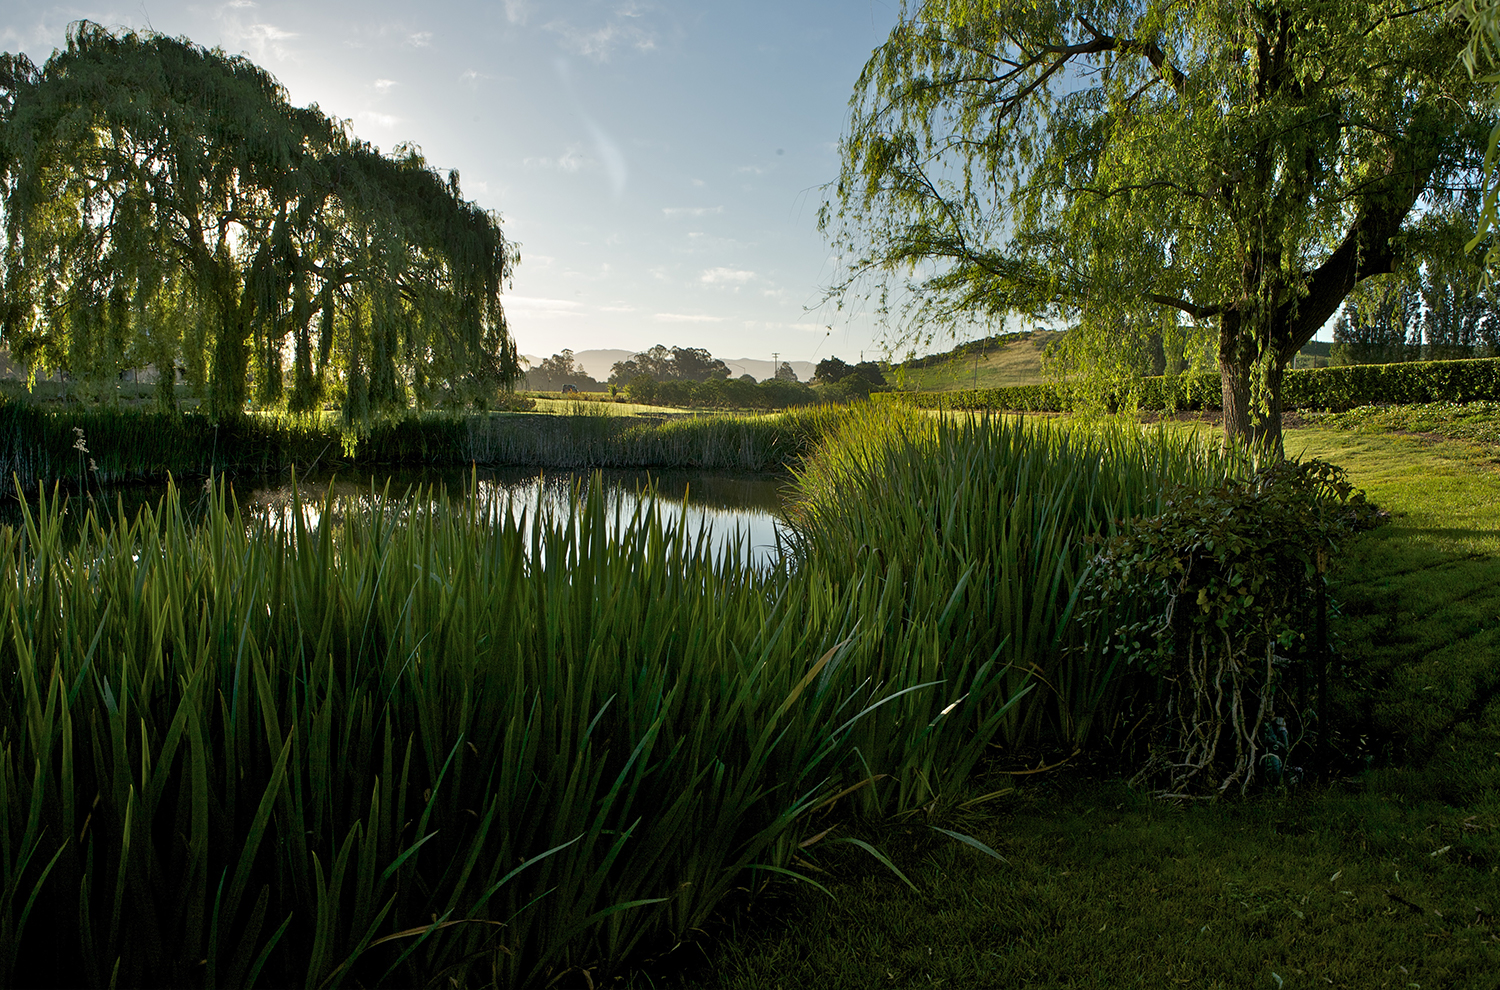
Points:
x=558, y=371
x=1163, y=175
x=1387, y=876
x=1216, y=597
x=679, y=364
x=717, y=393
x=426, y=743
x=1334, y=388
x=1476, y=421
x=1395, y=384
x=982, y=521
x=165, y=204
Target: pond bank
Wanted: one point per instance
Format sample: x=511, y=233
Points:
x=80, y=449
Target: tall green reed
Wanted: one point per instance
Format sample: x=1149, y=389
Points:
x=983, y=523
x=417, y=744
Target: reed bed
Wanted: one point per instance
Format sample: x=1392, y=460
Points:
x=987, y=523
x=417, y=745
x=430, y=744
x=87, y=449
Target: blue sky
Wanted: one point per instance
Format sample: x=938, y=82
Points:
x=659, y=163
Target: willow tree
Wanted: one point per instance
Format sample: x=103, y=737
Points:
x=145, y=176
x=1225, y=170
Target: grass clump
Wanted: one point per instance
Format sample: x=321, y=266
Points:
x=984, y=520
x=407, y=746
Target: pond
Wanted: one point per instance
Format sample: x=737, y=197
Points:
x=743, y=510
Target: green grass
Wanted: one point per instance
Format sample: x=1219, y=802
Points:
x=1477, y=421
x=586, y=403
x=1388, y=877
x=1018, y=362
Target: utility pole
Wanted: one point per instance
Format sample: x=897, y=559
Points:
x=775, y=365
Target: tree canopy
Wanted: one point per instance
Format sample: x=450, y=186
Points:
x=679, y=364
x=1219, y=173
x=164, y=203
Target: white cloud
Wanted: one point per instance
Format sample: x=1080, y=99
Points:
x=420, y=39
x=600, y=42
x=377, y=119
x=751, y=170
x=617, y=309
x=384, y=84
x=571, y=160
x=537, y=307
x=261, y=40
x=241, y=4
x=691, y=211
x=516, y=11
x=726, y=276
x=687, y=318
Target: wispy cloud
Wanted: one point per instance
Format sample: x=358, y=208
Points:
x=261, y=40
x=625, y=27
x=571, y=160
x=687, y=318
x=384, y=85
x=241, y=4
x=516, y=11
x=377, y=119
x=617, y=309
x=751, y=170
x=726, y=276
x=420, y=39
x=691, y=211
x=540, y=307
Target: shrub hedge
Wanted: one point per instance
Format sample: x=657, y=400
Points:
x=1336, y=389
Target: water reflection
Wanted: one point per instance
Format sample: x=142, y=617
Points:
x=738, y=510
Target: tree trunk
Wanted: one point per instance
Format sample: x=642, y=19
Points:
x=1251, y=387
x=231, y=363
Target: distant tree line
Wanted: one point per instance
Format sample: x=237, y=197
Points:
x=1428, y=317
x=164, y=204
x=692, y=377
x=561, y=372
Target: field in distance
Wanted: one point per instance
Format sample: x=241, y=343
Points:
x=1007, y=359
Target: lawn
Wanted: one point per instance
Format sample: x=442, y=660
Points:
x=1388, y=877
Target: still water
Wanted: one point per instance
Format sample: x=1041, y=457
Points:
x=743, y=510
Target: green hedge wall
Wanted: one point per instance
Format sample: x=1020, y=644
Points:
x=1337, y=389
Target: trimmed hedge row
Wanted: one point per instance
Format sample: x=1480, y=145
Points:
x=1336, y=389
